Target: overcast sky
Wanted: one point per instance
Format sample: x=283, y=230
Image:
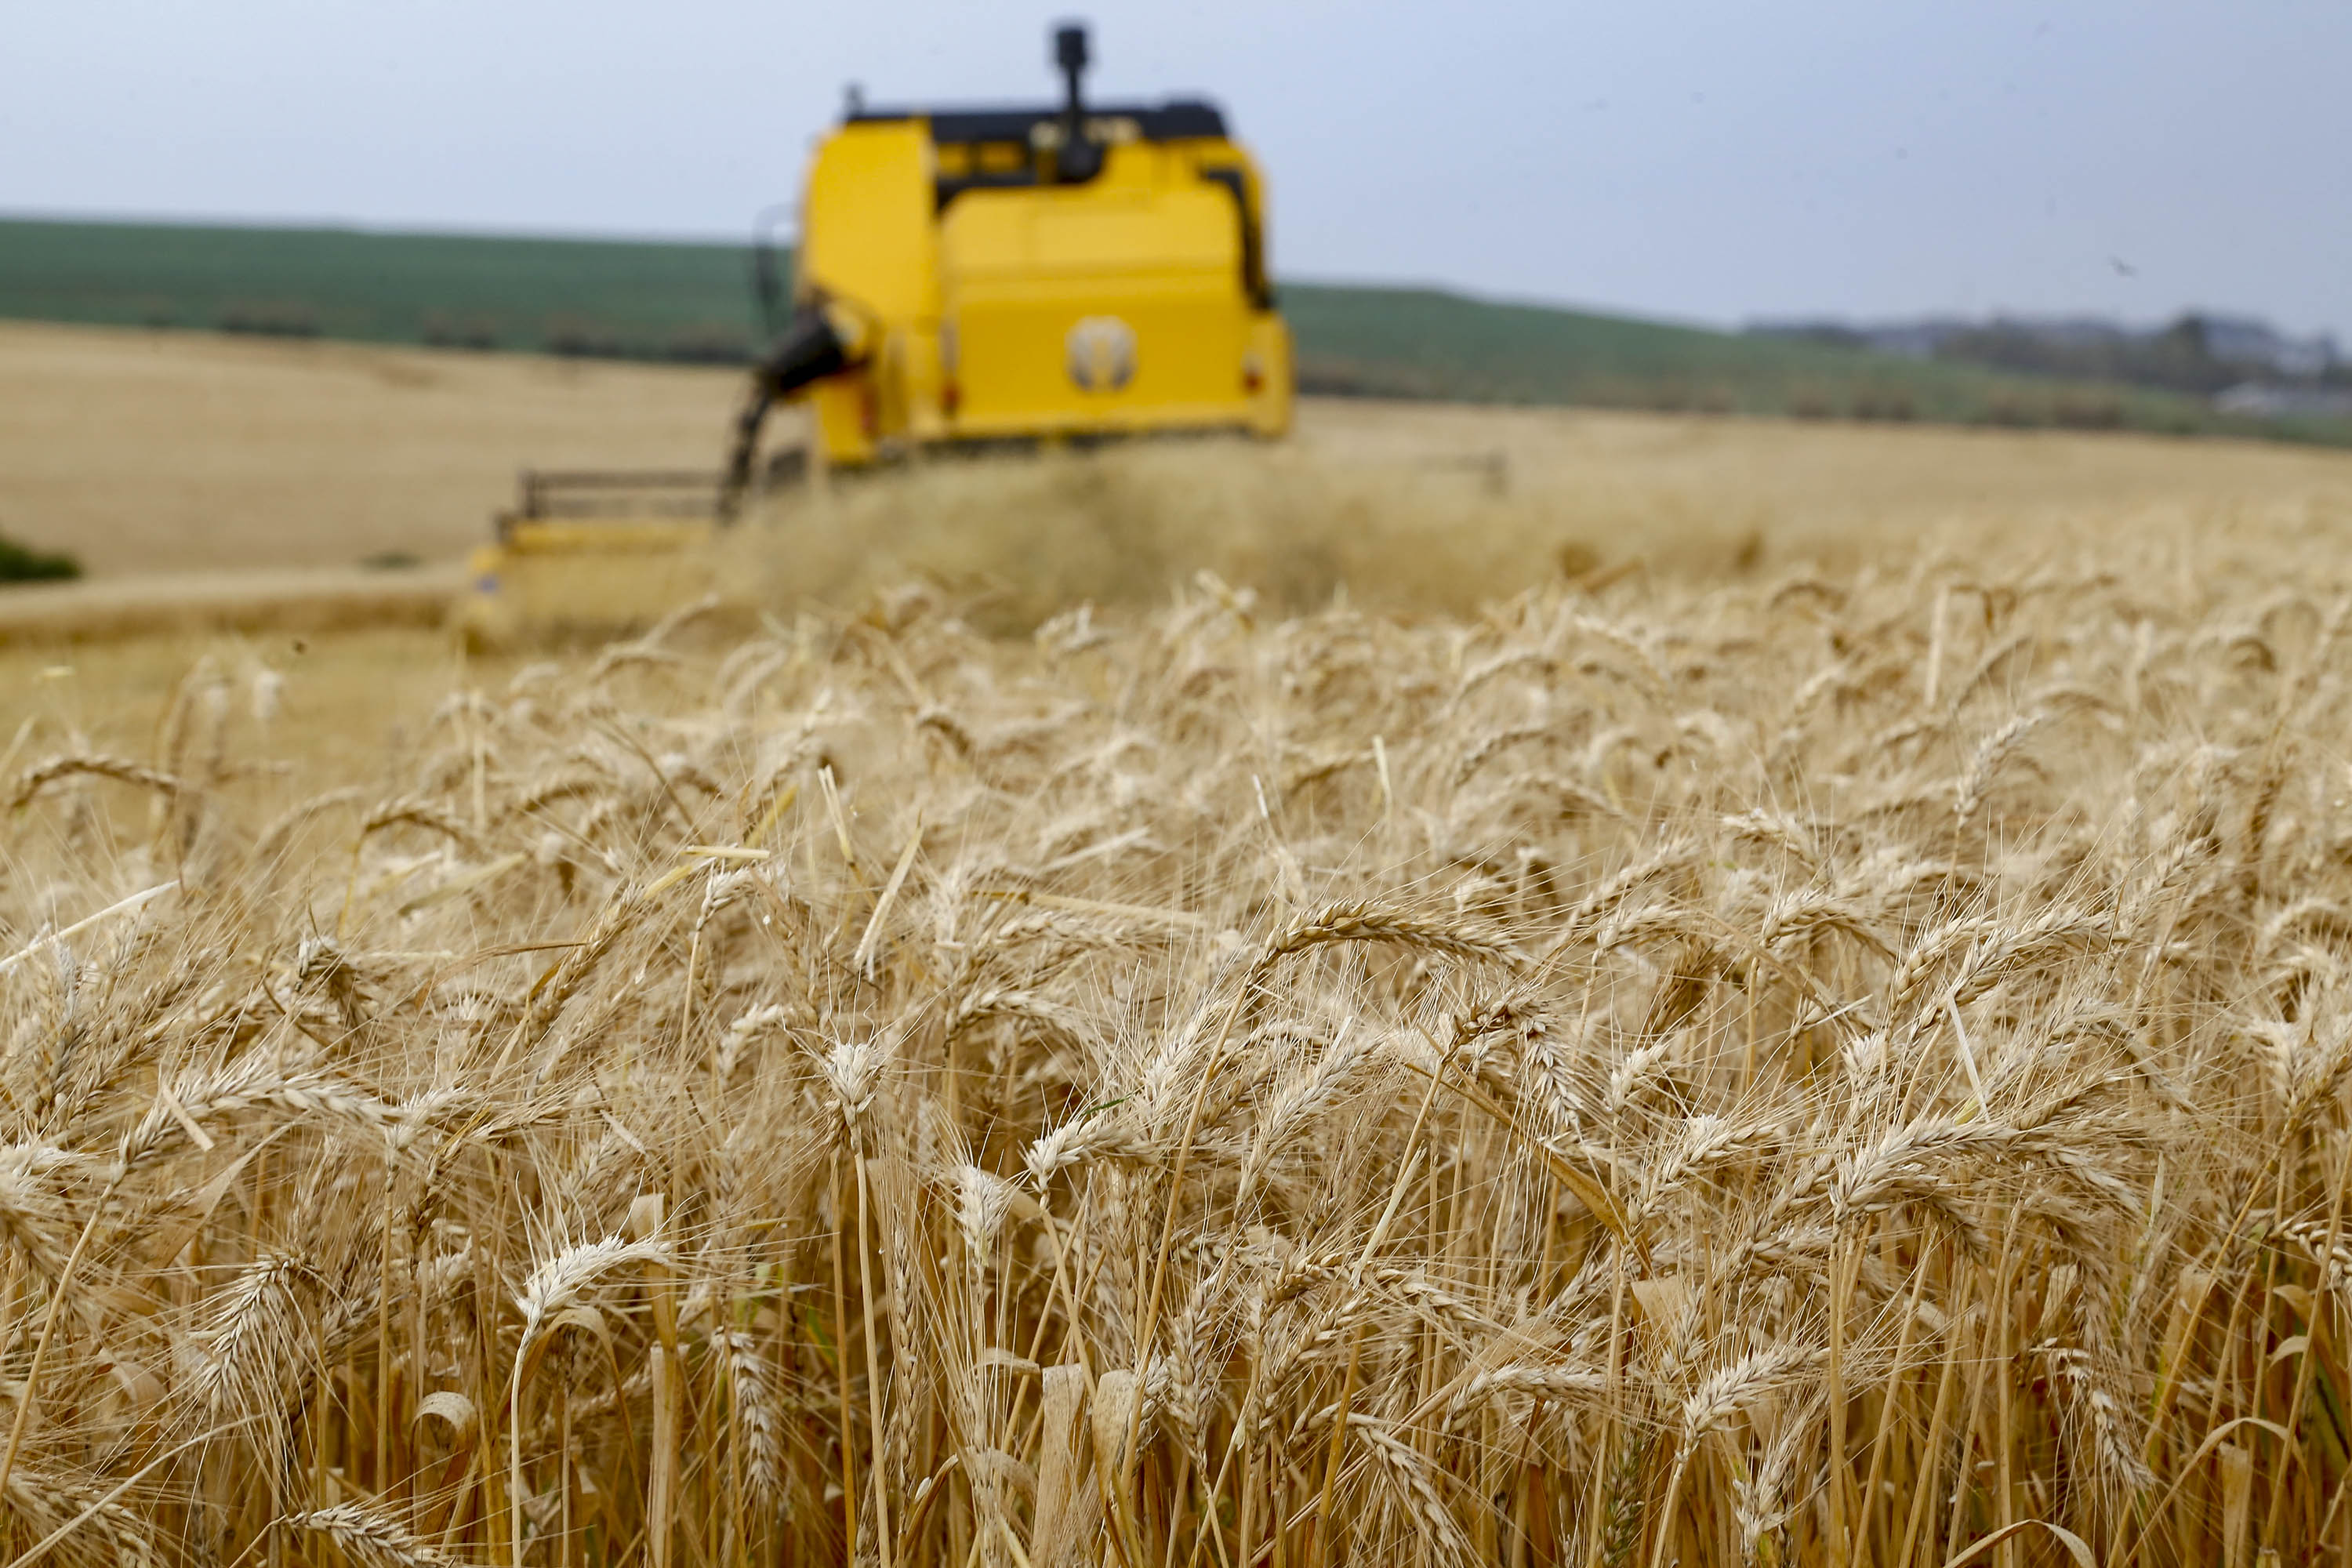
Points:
x=1710, y=161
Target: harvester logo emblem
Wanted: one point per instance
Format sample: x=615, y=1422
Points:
x=1102, y=354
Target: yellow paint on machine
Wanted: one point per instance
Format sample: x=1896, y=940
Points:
x=1131, y=302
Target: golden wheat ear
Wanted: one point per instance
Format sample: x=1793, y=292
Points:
x=1843, y=1070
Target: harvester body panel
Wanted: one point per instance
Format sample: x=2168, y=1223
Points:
x=1111, y=306
x=994, y=298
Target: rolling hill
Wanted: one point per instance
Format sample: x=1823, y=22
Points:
x=691, y=302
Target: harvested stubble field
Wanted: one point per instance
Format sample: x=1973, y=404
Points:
x=1834, y=1068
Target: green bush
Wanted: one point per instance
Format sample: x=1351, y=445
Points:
x=21, y=565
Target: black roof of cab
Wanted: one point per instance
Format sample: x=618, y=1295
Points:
x=1178, y=119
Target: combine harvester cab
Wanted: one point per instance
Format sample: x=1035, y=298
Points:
x=966, y=279
x=975, y=275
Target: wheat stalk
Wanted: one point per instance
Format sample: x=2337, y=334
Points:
x=1619, y=1097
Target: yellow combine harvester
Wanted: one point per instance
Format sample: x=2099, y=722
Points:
x=966, y=279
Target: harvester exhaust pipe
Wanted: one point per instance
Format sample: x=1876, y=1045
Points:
x=1077, y=159
x=1070, y=54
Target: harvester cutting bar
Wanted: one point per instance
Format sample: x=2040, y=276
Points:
x=589, y=494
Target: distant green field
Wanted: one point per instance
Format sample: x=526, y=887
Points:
x=554, y=295
x=693, y=302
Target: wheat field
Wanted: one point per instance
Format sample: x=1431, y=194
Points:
x=146, y=452
x=1800, y=1065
